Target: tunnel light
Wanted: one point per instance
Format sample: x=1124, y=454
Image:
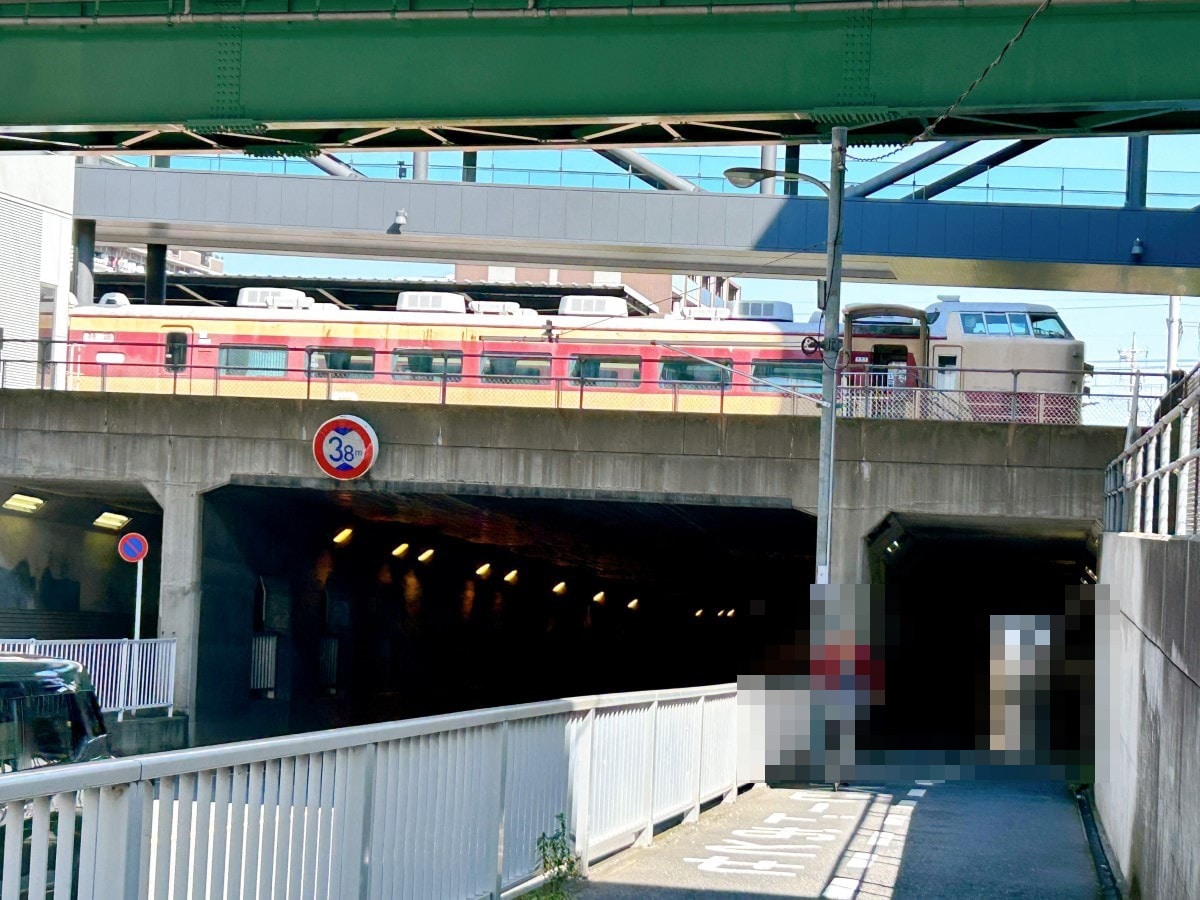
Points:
x=699, y=613
x=560, y=588
x=24, y=503
x=400, y=551
x=484, y=571
x=511, y=577
x=426, y=555
x=632, y=604
x=342, y=536
x=598, y=597
x=729, y=615
x=720, y=613
x=114, y=521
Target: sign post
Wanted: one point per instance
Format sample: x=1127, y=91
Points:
x=132, y=548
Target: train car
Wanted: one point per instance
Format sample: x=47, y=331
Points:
x=445, y=348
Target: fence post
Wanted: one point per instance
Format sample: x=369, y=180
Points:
x=119, y=840
x=646, y=837
x=693, y=814
x=123, y=679
x=356, y=830
x=445, y=379
x=583, y=804
x=1012, y=404
x=503, y=791
x=103, y=378
x=171, y=677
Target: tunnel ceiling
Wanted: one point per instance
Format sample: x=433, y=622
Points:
x=616, y=538
x=79, y=502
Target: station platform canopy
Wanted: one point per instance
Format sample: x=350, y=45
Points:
x=365, y=293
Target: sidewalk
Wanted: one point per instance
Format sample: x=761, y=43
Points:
x=916, y=840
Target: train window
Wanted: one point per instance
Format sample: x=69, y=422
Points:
x=972, y=323
x=1048, y=325
x=694, y=375
x=175, y=351
x=798, y=377
x=610, y=371
x=997, y=323
x=514, y=369
x=427, y=365
x=341, y=362
x=1019, y=323
x=252, y=361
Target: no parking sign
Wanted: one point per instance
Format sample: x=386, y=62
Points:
x=345, y=447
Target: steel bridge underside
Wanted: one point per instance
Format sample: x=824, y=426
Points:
x=287, y=78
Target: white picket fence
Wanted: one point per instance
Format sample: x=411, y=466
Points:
x=128, y=675
x=441, y=807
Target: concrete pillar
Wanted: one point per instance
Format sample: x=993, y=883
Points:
x=1136, y=168
x=421, y=165
x=82, y=282
x=179, y=587
x=156, y=273
x=791, y=163
x=768, y=159
x=470, y=165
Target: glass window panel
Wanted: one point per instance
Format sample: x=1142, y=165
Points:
x=341, y=362
x=1019, y=323
x=607, y=371
x=997, y=323
x=513, y=369
x=427, y=365
x=175, y=357
x=53, y=728
x=1048, y=325
x=253, y=362
x=799, y=377
x=972, y=323
x=694, y=375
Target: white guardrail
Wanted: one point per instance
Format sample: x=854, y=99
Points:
x=441, y=807
x=128, y=675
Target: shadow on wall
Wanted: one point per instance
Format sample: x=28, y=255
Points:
x=19, y=589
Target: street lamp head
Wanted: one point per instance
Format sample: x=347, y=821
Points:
x=744, y=177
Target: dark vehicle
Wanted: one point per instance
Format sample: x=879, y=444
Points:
x=49, y=715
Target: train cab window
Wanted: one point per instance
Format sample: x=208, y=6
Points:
x=997, y=323
x=175, y=350
x=691, y=374
x=507, y=368
x=427, y=365
x=1048, y=325
x=341, y=362
x=1019, y=323
x=972, y=323
x=607, y=371
x=252, y=361
x=796, y=377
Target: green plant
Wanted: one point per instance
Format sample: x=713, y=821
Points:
x=559, y=863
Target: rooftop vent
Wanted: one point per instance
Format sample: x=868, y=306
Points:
x=708, y=313
x=431, y=301
x=592, y=305
x=495, y=307
x=113, y=298
x=273, y=298
x=763, y=310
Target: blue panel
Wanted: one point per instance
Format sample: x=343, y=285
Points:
x=766, y=231
x=794, y=234
x=874, y=228
x=1045, y=232
x=1073, y=237
x=1131, y=225
x=901, y=228
x=960, y=230
x=1016, y=240
x=1102, y=236
x=930, y=219
x=987, y=233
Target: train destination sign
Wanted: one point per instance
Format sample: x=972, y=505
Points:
x=345, y=447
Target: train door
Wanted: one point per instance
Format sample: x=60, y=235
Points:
x=178, y=344
x=889, y=364
x=946, y=368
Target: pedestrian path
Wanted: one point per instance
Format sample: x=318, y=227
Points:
x=925, y=839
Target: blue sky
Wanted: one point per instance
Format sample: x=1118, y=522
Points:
x=1077, y=171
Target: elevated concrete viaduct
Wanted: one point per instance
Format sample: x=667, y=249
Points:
x=507, y=476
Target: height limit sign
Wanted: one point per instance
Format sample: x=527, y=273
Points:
x=345, y=447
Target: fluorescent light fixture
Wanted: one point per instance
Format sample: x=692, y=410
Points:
x=699, y=613
x=729, y=615
x=560, y=588
x=632, y=604
x=426, y=555
x=342, y=536
x=24, y=503
x=484, y=571
x=598, y=598
x=720, y=613
x=401, y=550
x=114, y=521
x=511, y=577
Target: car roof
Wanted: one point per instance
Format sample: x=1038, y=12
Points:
x=22, y=675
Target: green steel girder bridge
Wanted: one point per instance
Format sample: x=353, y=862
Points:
x=291, y=77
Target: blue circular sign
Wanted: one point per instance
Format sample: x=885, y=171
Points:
x=133, y=547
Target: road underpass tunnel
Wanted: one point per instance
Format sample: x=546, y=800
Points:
x=988, y=642
x=323, y=608
x=60, y=575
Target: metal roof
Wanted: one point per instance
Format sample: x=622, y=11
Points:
x=23, y=676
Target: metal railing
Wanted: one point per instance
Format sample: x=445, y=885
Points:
x=1153, y=487
x=263, y=664
x=1037, y=396
x=128, y=674
x=447, y=806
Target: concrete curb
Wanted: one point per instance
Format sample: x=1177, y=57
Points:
x=1110, y=886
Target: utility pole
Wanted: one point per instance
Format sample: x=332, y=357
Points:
x=1174, y=331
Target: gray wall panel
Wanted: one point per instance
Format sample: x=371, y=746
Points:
x=500, y=205
x=268, y=206
x=631, y=218
x=552, y=214
x=577, y=224
x=474, y=212
x=141, y=198
x=685, y=219
x=216, y=200
x=606, y=210
x=318, y=210
x=191, y=196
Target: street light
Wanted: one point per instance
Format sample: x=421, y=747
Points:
x=831, y=345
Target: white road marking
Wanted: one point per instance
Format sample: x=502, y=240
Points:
x=744, y=867
x=776, y=818
x=917, y=792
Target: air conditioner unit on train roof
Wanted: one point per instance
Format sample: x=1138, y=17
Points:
x=763, y=310
x=592, y=305
x=495, y=307
x=704, y=312
x=431, y=301
x=273, y=298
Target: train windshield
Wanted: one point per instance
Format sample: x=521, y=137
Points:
x=1048, y=325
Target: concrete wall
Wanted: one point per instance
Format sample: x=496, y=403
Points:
x=1148, y=712
x=178, y=448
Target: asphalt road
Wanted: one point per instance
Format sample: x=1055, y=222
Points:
x=922, y=840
